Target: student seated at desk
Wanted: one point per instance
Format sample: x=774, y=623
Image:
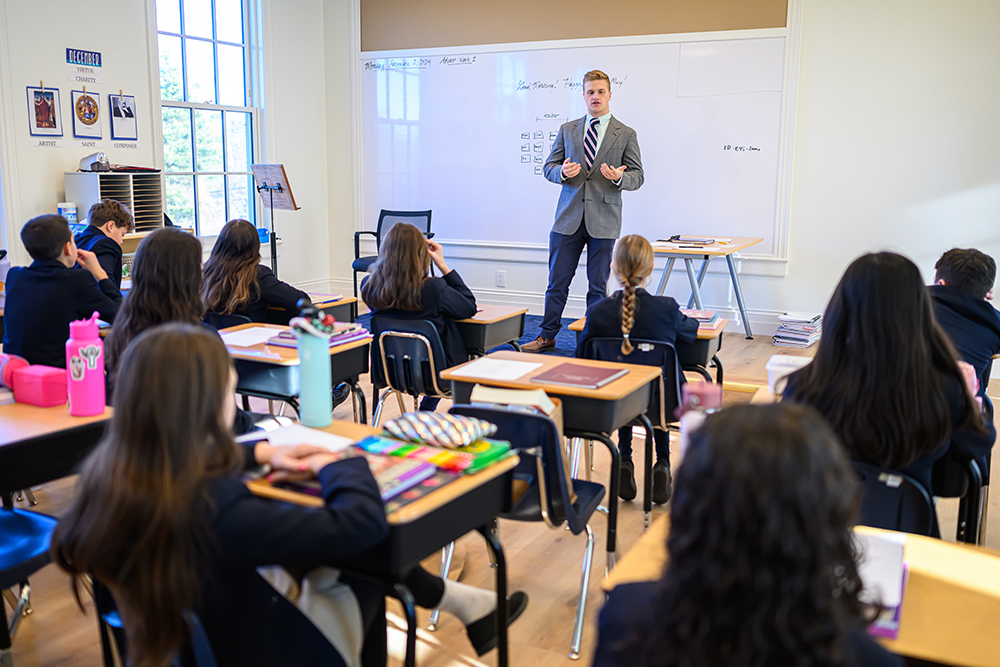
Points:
x=43, y=298
x=961, y=293
x=761, y=565
x=399, y=286
x=632, y=312
x=886, y=376
x=109, y=222
x=237, y=283
x=162, y=519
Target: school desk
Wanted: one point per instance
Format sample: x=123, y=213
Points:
x=591, y=414
x=491, y=327
x=272, y=371
x=694, y=357
x=38, y=445
x=674, y=252
x=342, y=308
x=423, y=527
x=951, y=606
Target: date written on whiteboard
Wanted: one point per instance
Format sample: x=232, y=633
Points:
x=398, y=63
x=741, y=149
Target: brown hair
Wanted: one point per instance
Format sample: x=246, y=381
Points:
x=596, y=75
x=138, y=523
x=231, y=270
x=967, y=269
x=632, y=263
x=400, y=271
x=45, y=235
x=166, y=287
x=109, y=210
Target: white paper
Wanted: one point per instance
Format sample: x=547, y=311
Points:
x=496, y=369
x=249, y=337
x=297, y=434
x=881, y=567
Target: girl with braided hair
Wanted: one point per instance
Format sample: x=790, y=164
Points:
x=633, y=313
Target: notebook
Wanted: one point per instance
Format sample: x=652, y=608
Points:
x=579, y=375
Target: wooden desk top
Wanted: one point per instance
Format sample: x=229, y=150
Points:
x=763, y=396
x=490, y=314
x=403, y=515
x=578, y=325
x=19, y=422
x=637, y=377
x=716, y=249
x=324, y=300
x=276, y=354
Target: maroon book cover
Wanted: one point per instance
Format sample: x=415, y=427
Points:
x=578, y=375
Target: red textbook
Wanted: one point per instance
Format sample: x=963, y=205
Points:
x=578, y=375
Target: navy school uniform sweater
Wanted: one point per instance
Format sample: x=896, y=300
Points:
x=272, y=292
x=654, y=318
x=108, y=252
x=973, y=325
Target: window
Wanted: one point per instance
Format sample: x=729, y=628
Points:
x=208, y=114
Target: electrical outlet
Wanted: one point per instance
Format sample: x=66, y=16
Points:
x=501, y=278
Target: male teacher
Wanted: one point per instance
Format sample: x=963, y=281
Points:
x=589, y=212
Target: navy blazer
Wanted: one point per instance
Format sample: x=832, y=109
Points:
x=442, y=300
x=654, y=318
x=246, y=620
x=42, y=299
x=272, y=292
x=629, y=605
x=972, y=324
x=108, y=252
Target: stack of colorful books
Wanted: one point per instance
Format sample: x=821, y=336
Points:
x=708, y=320
x=343, y=332
x=798, y=329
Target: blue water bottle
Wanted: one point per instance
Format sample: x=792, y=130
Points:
x=315, y=384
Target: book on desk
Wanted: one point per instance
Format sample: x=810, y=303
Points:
x=579, y=375
x=343, y=332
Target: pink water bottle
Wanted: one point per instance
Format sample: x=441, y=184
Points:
x=85, y=368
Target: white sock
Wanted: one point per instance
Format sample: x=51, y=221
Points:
x=467, y=603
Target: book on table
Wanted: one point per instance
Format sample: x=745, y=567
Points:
x=343, y=332
x=580, y=375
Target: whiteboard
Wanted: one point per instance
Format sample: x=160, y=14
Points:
x=466, y=136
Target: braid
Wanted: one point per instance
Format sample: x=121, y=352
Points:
x=628, y=314
x=632, y=263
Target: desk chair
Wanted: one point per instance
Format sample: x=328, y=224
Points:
x=224, y=321
x=386, y=219
x=894, y=501
x=406, y=361
x=24, y=549
x=548, y=499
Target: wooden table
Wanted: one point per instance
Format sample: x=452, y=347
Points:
x=763, y=396
x=424, y=526
x=272, y=371
x=491, y=327
x=694, y=357
x=591, y=414
x=951, y=607
x=343, y=309
x=706, y=253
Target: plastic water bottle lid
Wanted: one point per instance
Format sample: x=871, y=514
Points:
x=80, y=329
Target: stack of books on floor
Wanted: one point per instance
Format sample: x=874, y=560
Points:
x=798, y=329
x=343, y=332
x=708, y=320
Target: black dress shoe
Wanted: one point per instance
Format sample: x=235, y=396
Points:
x=662, y=486
x=626, y=480
x=341, y=393
x=483, y=633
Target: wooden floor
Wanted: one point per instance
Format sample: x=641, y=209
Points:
x=545, y=563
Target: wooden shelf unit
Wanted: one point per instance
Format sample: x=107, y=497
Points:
x=142, y=193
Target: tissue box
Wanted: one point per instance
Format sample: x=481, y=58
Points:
x=781, y=366
x=44, y=386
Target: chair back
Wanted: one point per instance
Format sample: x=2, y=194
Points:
x=535, y=437
x=224, y=321
x=894, y=501
x=386, y=219
x=408, y=357
x=667, y=398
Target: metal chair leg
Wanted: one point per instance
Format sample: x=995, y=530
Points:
x=380, y=404
x=446, y=556
x=581, y=600
x=399, y=401
x=984, y=497
x=496, y=533
x=410, y=611
x=574, y=470
x=270, y=406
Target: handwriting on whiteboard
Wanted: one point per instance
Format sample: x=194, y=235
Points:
x=565, y=83
x=397, y=63
x=457, y=60
x=741, y=149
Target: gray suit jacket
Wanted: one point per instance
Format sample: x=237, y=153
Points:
x=589, y=196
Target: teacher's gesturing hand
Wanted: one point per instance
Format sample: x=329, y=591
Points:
x=611, y=173
x=570, y=169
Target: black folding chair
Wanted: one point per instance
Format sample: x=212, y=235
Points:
x=894, y=501
x=407, y=360
x=386, y=219
x=226, y=320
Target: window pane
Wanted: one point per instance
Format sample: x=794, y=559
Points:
x=239, y=197
x=211, y=204
x=229, y=20
x=180, y=200
x=198, y=18
x=200, y=71
x=238, y=138
x=168, y=15
x=177, y=139
x=209, y=128
x=232, y=85
x=171, y=83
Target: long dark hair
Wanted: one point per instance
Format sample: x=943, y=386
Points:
x=400, y=271
x=882, y=365
x=166, y=287
x=762, y=569
x=231, y=270
x=137, y=524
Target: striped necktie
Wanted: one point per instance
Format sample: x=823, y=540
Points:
x=590, y=143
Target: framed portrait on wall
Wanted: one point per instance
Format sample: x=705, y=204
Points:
x=86, y=114
x=44, y=119
x=123, y=123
